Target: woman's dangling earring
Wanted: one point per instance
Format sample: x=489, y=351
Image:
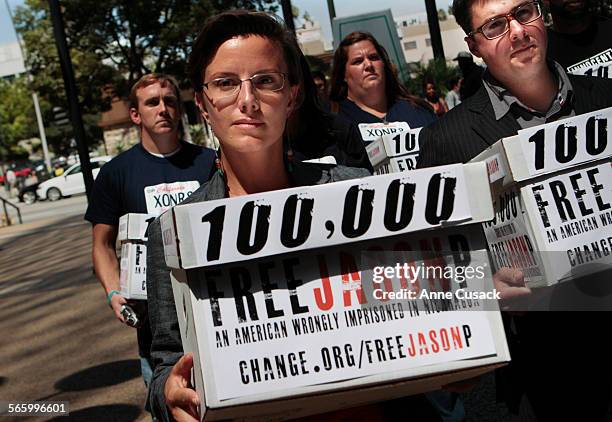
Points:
x=290, y=155
x=218, y=162
x=219, y=170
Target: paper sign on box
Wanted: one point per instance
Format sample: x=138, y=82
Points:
x=133, y=270
x=398, y=164
x=373, y=131
x=290, y=329
x=253, y=226
x=599, y=65
x=511, y=240
x=549, y=180
x=571, y=218
x=558, y=145
x=394, y=153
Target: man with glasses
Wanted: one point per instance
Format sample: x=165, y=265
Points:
x=148, y=178
x=520, y=87
x=555, y=362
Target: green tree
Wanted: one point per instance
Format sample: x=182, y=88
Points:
x=112, y=43
x=435, y=69
x=91, y=75
x=141, y=36
x=17, y=120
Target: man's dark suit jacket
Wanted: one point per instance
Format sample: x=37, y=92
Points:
x=470, y=128
x=559, y=359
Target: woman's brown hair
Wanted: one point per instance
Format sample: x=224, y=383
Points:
x=237, y=23
x=394, y=89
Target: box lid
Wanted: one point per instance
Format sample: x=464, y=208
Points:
x=271, y=223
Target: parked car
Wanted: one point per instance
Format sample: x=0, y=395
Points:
x=28, y=193
x=70, y=182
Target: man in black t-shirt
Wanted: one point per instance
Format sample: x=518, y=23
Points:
x=149, y=178
x=578, y=40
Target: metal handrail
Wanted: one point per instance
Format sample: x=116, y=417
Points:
x=6, y=215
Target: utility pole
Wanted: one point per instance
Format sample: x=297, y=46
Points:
x=332, y=11
x=39, y=120
x=288, y=14
x=71, y=92
x=434, y=31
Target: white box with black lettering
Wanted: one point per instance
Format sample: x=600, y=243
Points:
x=394, y=153
x=276, y=299
x=133, y=270
x=133, y=226
x=552, y=190
x=132, y=233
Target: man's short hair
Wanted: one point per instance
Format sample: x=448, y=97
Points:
x=462, y=10
x=150, y=79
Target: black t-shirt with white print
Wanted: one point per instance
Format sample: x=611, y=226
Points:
x=582, y=53
x=137, y=181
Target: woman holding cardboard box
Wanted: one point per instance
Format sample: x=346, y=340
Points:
x=246, y=71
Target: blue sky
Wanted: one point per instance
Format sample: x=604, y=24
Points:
x=7, y=34
x=316, y=8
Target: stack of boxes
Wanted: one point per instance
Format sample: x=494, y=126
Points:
x=133, y=265
x=552, y=195
x=394, y=153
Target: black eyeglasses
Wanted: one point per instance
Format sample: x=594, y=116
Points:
x=499, y=25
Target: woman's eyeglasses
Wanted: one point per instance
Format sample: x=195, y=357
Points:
x=230, y=86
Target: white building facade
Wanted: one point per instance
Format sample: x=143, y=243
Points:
x=416, y=41
x=11, y=62
x=310, y=38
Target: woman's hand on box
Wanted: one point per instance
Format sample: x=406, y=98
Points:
x=181, y=400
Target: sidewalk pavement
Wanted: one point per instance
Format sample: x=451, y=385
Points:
x=60, y=340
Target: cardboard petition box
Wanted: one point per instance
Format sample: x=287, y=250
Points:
x=394, y=153
x=287, y=336
x=132, y=234
x=552, y=190
x=133, y=271
x=133, y=226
